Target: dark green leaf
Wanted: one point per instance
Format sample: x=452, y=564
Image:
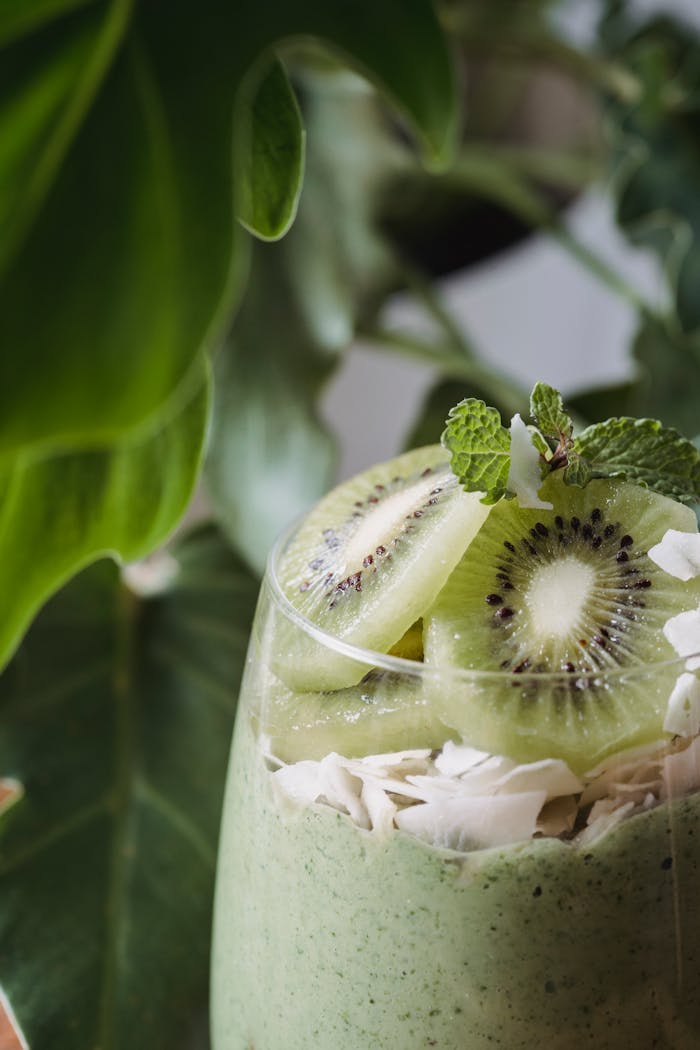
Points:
x=19, y=17
x=577, y=471
x=547, y=410
x=47, y=84
x=131, y=264
x=480, y=447
x=270, y=156
x=645, y=452
x=115, y=715
x=337, y=264
x=655, y=139
x=670, y=367
x=62, y=512
x=269, y=458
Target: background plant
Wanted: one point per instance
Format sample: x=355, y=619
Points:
x=150, y=162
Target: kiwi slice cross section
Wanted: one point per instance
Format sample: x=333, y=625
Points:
x=366, y=563
x=384, y=712
x=572, y=596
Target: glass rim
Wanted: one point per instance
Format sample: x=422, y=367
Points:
x=373, y=658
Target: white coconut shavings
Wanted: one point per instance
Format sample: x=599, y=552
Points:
x=524, y=477
x=465, y=799
x=455, y=759
x=681, y=771
x=603, y=817
x=678, y=554
x=474, y=822
x=683, y=711
x=683, y=632
x=490, y=800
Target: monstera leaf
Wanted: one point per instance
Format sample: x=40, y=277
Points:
x=115, y=719
x=59, y=513
x=120, y=250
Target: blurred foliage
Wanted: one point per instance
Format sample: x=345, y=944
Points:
x=115, y=717
x=132, y=138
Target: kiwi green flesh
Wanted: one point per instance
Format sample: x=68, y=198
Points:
x=569, y=592
x=369, y=559
x=410, y=644
x=383, y=713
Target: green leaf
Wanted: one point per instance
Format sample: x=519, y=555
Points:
x=337, y=264
x=670, y=374
x=645, y=452
x=60, y=513
x=654, y=137
x=270, y=156
x=47, y=84
x=577, y=471
x=269, y=456
x=19, y=17
x=547, y=410
x=480, y=447
x=134, y=256
x=115, y=716
x=445, y=394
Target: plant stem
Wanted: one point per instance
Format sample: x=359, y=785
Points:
x=453, y=365
x=425, y=291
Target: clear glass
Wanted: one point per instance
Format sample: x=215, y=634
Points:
x=332, y=936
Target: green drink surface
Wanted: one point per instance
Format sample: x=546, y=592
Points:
x=329, y=937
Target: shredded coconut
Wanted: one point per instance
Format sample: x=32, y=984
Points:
x=524, y=477
x=492, y=801
x=463, y=799
x=678, y=554
x=683, y=632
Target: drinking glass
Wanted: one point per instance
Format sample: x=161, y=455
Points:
x=342, y=923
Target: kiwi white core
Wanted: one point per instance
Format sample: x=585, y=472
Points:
x=557, y=595
x=383, y=522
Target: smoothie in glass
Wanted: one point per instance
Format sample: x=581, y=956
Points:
x=484, y=832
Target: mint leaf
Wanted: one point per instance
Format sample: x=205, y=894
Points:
x=547, y=410
x=643, y=451
x=480, y=447
x=578, y=471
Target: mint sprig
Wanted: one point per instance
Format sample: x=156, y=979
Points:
x=642, y=451
x=480, y=447
x=550, y=417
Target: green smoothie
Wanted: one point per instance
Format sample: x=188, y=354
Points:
x=463, y=805
x=331, y=937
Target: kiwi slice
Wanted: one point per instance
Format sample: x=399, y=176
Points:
x=367, y=562
x=384, y=712
x=571, y=593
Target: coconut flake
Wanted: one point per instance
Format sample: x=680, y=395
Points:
x=475, y=822
x=683, y=632
x=681, y=771
x=417, y=759
x=683, y=711
x=604, y=815
x=550, y=774
x=380, y=808
x=524, y=477
x=558, y=816
x=482, y=779
x=341, y=789
x=455, y=759
x=678, y=554
x=300, y=781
